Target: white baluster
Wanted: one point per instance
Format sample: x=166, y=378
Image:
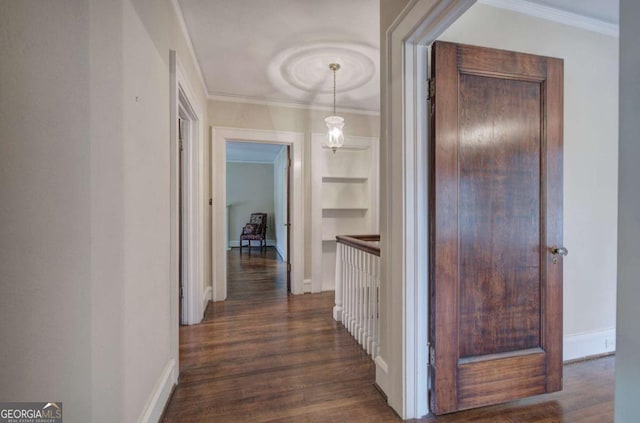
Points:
x=377, y=311
x=346, y=313
x=337, y=309
x=350, y=279
x=367, y=304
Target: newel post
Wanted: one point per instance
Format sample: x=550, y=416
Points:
x=337, y=309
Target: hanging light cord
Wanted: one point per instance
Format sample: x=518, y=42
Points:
x=334, y=92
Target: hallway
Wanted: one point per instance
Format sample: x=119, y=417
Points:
x=265, y=356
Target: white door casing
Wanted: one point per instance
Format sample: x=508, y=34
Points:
x=220, y=136
x=183, y=105
x=401, y=367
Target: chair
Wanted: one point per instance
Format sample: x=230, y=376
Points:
x=255, y=230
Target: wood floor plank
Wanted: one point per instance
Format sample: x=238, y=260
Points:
x=263, y=356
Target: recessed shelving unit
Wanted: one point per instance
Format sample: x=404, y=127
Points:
x=344, y=200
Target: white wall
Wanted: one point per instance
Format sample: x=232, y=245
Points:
x=130, y=142
x=262, y=117
x=627, y=390
x=590, y=159
x=249, y=190
x=45, y=229
x=84, y=259
x=280, y=201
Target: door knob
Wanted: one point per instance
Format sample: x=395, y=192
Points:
x=558, y=251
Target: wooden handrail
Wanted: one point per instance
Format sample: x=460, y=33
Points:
x=361, y=242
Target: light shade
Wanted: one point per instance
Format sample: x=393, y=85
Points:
x=335, y=137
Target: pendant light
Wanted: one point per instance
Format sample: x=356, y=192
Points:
x=335, y=137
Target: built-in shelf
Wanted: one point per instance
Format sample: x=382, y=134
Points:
x=344, y=197
x=357, y=179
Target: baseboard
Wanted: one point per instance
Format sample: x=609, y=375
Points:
x=281, y=252
x=208, y=295
x=306, y=286
x=236, y=244
x=382, y=375
x=576, y=347
x=160, y=395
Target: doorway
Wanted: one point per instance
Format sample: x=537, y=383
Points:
x=295, y=244
x=258, y=209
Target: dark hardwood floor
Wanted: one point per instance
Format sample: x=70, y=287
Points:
x=265, y=356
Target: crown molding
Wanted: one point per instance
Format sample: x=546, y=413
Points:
x=185, y=33
x=556, y=15
x=284, y=103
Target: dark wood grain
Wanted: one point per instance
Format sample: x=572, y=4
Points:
x=265, y=356
x=496, y=211
x=443, y=199
x=366, y=243
x=499, y=215
x=552, y=206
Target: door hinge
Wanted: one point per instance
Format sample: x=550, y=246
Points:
x=288, y=267
x=432, y=356
x=181, y=147
x=181, y=293
x=432, y=88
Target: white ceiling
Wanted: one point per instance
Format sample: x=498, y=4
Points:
x=604, y=10
x=251, y=152
x=278, y=51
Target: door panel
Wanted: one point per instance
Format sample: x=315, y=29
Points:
x=496, y=213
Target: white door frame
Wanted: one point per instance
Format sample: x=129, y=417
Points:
x=183, y=105
x=402, y=367
x=220, y=136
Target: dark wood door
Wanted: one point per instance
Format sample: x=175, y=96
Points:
x=496, y=217
x=288, y=217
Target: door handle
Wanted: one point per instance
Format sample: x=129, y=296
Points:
x=558, y=251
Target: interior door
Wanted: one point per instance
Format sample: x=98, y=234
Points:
x=288, y=216
x=495, y=226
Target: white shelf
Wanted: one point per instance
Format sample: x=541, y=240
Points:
x=344, y=189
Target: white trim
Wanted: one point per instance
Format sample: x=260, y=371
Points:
x=174, y=250
x=185, y=33
x=254, y=244
x=160, y=395
x=308, y=284
x=556, y=15
x=232, y=98
x=206, y=297
x=382, y=374
x=590, y=344
x=404, y=199
x=193, y=236
x=219, y=190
